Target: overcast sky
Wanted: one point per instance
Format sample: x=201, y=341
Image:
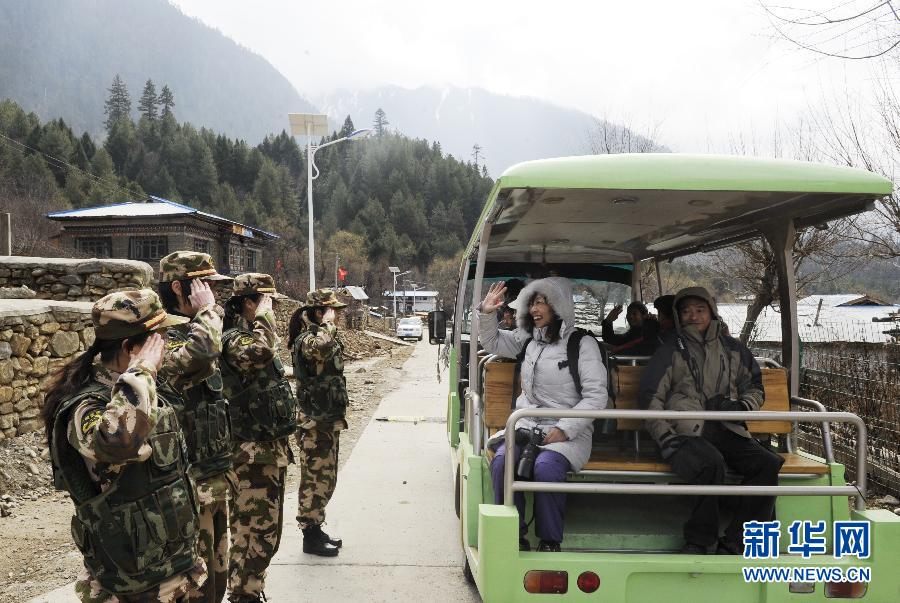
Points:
x=697, y=72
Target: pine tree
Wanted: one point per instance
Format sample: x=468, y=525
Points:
x=166, y=100
x=118, y=104
x=347, y=128
x=147, y=106
x=381, y=121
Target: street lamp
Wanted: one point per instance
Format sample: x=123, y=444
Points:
x=309, y=125
x=396, y=272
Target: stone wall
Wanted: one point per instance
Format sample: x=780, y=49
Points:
x=73, y=280
x=36, y=337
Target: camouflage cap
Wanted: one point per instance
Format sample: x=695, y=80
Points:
x=188, y=264
x=127, y=313
x=322, y=297
x=255, y=282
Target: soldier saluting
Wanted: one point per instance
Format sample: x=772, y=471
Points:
x=117, y=449
x=322, y=396
x=263, y=416
x=190, y=371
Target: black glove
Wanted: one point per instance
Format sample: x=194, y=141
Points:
x=729, y=405
x=670, y=444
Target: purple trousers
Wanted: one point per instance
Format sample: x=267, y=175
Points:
x=549, y=507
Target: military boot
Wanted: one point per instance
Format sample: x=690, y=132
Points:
x=317, y=542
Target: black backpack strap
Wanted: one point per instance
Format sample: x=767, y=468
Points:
x=517, y=372
x=573, y=351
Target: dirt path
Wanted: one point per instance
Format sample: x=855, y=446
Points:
x=37, y=554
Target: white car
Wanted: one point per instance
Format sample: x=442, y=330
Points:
x=409, y=328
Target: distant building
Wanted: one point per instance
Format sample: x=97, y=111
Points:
x=150, y=230
x=413, y=301
x=850, y=317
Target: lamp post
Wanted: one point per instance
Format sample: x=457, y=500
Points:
x=309, y=125
x=396, y=272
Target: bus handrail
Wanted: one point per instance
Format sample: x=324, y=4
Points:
x=511, y=485
x=826, y=430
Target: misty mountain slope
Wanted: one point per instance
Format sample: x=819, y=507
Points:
x=509, y=129
x=58, y=58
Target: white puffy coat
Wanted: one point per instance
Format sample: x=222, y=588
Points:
x=544, y=383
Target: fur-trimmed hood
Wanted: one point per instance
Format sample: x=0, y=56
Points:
x=557, y=290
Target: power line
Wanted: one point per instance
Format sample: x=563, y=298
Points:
x=22, y=148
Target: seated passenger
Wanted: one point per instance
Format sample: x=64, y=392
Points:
x=641, y=337
x=546, y=316
x=665, y=316
x=701, y=368
x=507, y=318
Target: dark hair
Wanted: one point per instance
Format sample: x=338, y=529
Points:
x=514, y=286
x=553, y=329
x=167, y=294
x=75, y=375
x=636, y=305
x=295, y=325
x=663, y=305
x=234, y=307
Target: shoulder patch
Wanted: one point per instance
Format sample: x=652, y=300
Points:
x=246, y=340
x=174, y=344
x=91, y=420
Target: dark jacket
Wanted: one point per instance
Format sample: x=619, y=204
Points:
x=637, y=341
x=721, y=365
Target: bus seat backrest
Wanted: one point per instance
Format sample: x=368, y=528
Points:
x=499, y=389
x=774, y=383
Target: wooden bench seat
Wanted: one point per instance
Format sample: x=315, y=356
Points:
x=499, y=390
x=628, y=461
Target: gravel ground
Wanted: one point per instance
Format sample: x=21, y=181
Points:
x=37, y=554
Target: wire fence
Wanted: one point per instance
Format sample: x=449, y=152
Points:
x=858, y=376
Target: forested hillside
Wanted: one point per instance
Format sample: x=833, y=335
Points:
x=57, y=57
x=387, y=200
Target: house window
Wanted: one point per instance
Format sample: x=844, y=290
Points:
x=201, y=245
x=234, y=258
x=95, y=247
x=250, y=260
x=148, y=249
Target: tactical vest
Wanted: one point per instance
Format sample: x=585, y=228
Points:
x=203, y=415
x=322, y=397
x=143, y=529
x=263, y=407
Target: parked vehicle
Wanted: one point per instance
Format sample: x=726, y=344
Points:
x=410, y=328
x=598, y=220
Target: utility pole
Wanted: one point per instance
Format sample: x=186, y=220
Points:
x=337, y=259
x=5, y=234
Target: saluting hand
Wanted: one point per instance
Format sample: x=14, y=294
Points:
x=494, y=298
x=151, y=352
x=201, y=294
x=264, y=305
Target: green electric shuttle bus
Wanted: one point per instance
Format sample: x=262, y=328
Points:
x=597, y=220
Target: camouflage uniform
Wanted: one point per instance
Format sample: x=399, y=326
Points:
x=114, y=434
x=317, y=353
x=192, y=354
x=261, y=466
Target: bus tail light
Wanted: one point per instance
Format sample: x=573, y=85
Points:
x=588, y=582
x=547, y=582
x=845, y=590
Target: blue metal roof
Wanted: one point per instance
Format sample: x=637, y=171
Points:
x=157, y=206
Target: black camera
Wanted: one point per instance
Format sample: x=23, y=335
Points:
x=530, y=439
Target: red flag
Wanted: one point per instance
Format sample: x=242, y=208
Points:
x=342, y=274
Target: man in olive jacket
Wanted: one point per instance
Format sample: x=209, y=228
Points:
x=702, y=368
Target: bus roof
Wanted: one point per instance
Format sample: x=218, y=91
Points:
x=683, y=172
x=623, y=208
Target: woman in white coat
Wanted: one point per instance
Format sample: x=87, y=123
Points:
x=546, y=314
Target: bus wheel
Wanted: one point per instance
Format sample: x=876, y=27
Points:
x=458, y=490
x=467, y=572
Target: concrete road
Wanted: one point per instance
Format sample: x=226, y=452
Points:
x=393, y=507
